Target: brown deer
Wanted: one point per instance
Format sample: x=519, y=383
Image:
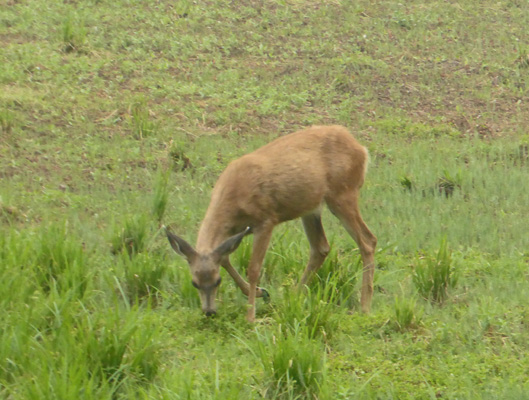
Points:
x=290, y=177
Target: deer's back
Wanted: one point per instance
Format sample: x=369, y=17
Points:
x=293, y=174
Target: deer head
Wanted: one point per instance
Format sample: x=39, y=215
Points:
x=205, y=268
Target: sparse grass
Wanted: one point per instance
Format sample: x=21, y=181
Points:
x=118, y=116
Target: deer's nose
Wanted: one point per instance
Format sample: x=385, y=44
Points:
x=211, y=313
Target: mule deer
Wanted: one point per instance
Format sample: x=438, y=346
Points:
x=288, y=178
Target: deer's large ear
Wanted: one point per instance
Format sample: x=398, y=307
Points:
x=230, y=244
x=181, y=246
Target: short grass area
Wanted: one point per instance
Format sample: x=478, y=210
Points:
x=117, y=117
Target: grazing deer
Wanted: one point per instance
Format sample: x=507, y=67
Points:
x=288, y=178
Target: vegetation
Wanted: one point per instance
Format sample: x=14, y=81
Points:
x=117, y=117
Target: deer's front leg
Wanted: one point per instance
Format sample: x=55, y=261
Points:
x=241, y=282
x=260, y=245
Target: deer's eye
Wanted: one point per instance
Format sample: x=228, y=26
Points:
x=194, y=284
x=218, y=282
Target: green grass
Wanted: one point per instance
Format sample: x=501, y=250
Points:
x=133, y=236
x=117, y=117
x=293, y=363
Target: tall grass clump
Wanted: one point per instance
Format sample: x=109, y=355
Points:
x=433, y=276
x=317, y=305
x=65, y=380
x=186, y=381
x=49, y=325
x=407, y=316
x=341, y=276
x=16, y=337
x=314, y=309
x=132, y=236
x=119, y=346
x=17, y=256
x=60, y=261
x=143, y=275
x=161, y=195
x=294, y=364
x=101, y=353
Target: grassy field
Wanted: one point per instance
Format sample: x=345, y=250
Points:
x=117, y=116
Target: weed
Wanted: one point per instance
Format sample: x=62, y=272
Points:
x=406, y=183
x=179, y=160
x=73, y=35
x=142, y=126
x=448, y=183
x=433, y=276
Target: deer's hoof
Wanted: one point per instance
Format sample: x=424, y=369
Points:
x=265, y=295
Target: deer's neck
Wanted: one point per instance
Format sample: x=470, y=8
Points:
x=214, y=230
x=222, y=220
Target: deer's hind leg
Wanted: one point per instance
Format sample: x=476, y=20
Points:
x=345, y=207
x=319, y=247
